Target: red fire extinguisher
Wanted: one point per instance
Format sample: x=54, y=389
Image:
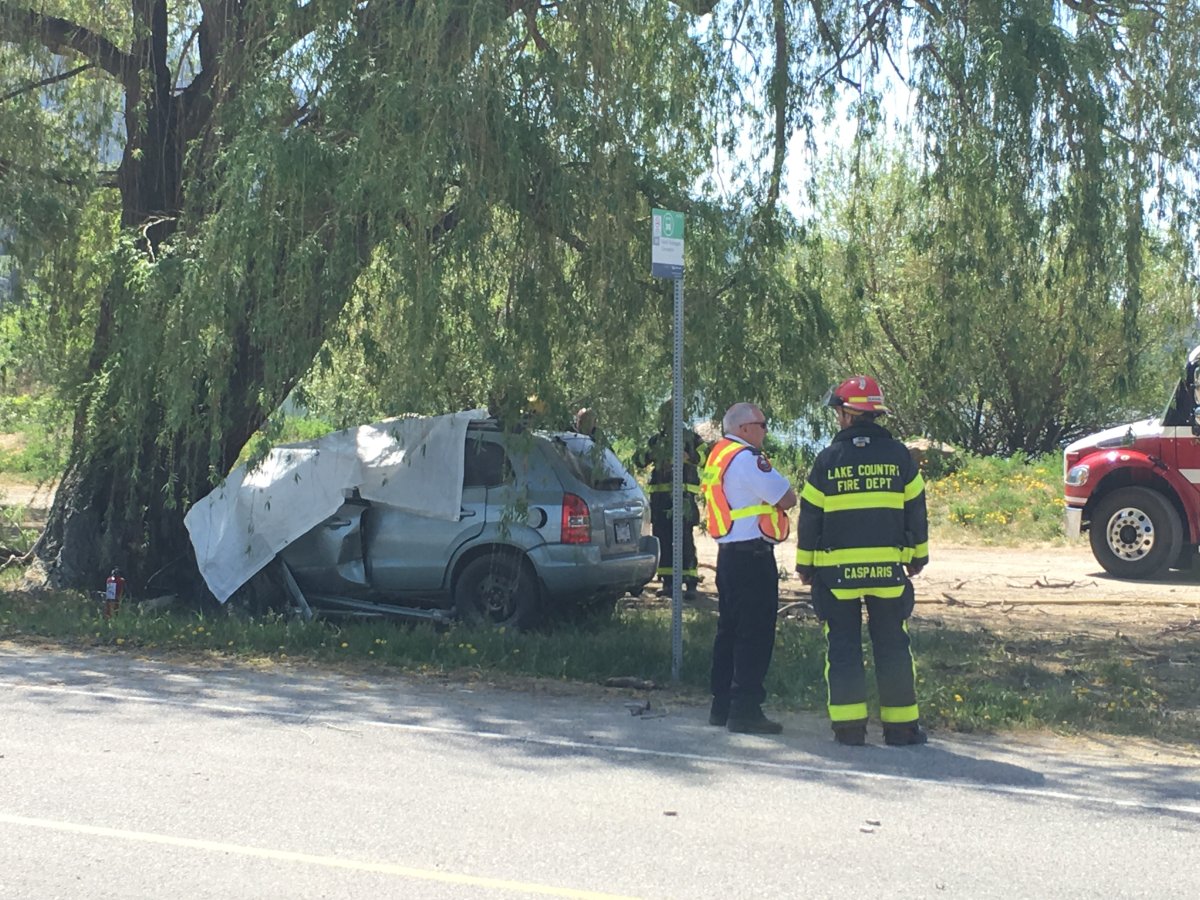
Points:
x=114, y=590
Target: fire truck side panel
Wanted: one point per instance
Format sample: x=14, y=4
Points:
x=1186, y=449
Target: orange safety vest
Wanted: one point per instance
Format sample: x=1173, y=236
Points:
x=773, y=523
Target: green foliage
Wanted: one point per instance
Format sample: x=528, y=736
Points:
x=1021, y=269
x=15, y=534
x=790, y=457
x=39, y=426
x=982, y=330
x=420, y=207
x=998, y=500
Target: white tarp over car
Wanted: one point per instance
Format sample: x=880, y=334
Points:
x=415, y=464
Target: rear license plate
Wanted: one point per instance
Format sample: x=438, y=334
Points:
x=624, y=533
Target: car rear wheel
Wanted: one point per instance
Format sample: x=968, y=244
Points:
x=1135, y=533
x=497, y=589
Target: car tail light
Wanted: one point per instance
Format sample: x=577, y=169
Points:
x=576, y=520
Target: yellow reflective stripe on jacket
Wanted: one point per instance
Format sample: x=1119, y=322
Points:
x=864, y=500
x=812, y=495
x=919, y=552
x=804, y=557
x=913, y=489
x=663, y=488
x=858, y=592
x=857, y=555
x=899, y=715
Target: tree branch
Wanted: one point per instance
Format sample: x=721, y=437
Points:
x=63, y=36
x=107, y=178
x=46, y=82
x=531, y=26
x=780, y=89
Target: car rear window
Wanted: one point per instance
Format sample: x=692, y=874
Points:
x=485, y=464
x=595, y=466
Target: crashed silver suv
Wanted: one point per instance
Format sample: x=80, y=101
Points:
x=548, y=521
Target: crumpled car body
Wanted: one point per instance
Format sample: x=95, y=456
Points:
x=547, y=521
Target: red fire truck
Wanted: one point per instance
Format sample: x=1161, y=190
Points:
x=1136, y=488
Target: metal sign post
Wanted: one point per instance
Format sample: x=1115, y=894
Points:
x=666, y=261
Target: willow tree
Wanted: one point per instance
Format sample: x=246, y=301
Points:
x=1015, y=269
x=1011, y=352
x=195, y=190
x=206, y=195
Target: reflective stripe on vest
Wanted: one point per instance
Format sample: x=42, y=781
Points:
x=666, y=486
x=773, y=524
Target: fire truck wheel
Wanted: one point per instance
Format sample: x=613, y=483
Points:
x=1135, y=533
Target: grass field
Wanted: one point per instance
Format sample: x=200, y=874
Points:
x=969, y=679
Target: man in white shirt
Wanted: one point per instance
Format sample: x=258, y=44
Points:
x=746, y=506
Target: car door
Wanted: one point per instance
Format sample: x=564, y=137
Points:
x=409, y=553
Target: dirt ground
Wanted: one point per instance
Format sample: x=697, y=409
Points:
x=32, y=499
x=1053, y=590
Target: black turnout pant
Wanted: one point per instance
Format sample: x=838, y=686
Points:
x=845, y=674
x=660, y=525
x=748, y=605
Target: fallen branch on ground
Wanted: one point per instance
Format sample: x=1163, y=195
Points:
x=1045, y=582
x=15, y=557
x=953, y=601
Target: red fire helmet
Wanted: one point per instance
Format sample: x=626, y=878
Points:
x=860, y=392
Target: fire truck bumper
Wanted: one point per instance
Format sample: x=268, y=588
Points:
x=1073, y=522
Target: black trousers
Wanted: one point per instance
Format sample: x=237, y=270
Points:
x=845, y=675
x=748, y=605
x=660, y=525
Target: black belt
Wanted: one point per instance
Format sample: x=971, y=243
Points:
x=755, y=545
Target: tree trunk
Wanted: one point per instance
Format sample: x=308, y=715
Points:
x=122, y=498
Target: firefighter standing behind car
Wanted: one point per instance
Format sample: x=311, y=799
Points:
x=746, y=502
x=658, y=454
x=862, y=533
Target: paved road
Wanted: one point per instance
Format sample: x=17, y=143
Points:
x=129, y=778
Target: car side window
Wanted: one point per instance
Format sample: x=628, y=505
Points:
x=485, y=464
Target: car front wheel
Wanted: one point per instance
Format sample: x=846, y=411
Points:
x=1135, y=533
x=497, y=589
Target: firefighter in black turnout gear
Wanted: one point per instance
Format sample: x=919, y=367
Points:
x=863, y=533
x=657, y=454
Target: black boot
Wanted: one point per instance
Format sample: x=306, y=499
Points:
x=850, y=735
x=904, y=735
x=752, y=721
x=718, y=713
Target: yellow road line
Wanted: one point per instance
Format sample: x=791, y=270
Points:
x=333, y=862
